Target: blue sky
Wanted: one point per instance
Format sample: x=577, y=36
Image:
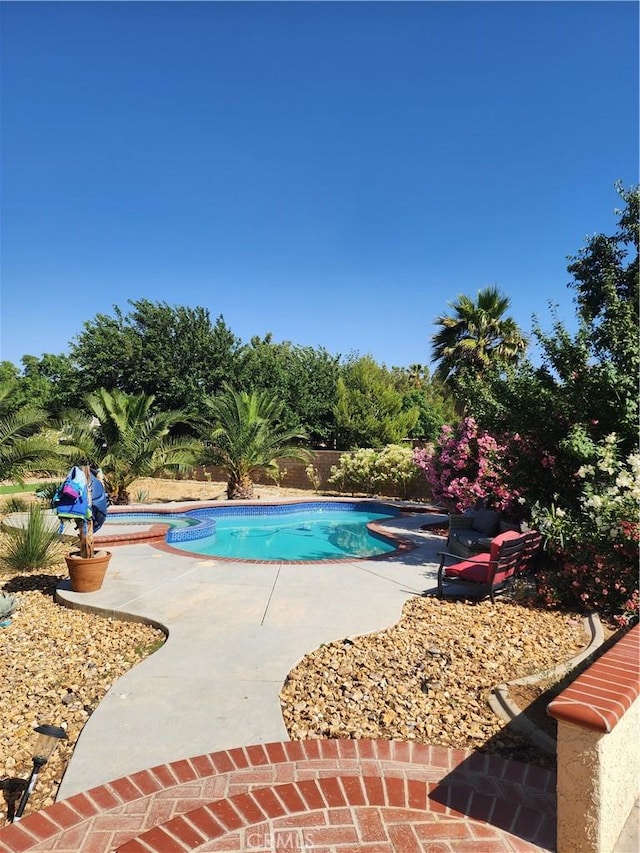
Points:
x=332, y=172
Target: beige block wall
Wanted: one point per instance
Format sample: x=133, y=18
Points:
x=598, y=783
x=296, y=477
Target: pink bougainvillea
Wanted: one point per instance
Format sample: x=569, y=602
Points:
x=466, y=466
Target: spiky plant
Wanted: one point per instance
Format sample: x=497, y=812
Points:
x=36, y=545
x=129, y=441
x=15, y=504
x=8, y=605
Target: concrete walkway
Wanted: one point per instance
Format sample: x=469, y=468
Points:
x=234, y=632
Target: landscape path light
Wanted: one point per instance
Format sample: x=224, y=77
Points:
x=48, y=739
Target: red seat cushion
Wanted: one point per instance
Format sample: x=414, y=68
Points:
x=466, y=571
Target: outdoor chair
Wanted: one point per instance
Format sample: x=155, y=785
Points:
x=491, y=571
x=472, y=532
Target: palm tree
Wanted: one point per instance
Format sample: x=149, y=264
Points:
x=127, y=440
x=27, y=446
x=476, y=337
x=243, y=434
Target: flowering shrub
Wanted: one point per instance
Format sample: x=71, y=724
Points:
x=390, y=471
x=468, y=465
x=593, y=551
x=394, y=471
x=354, y=472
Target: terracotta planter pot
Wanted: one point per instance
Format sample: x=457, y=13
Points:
x=87, y=573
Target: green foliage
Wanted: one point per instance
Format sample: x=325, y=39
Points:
x=243, y=432
x=26, y=447
x=476, y=336
x=390, y=471
x=313, y=476
x=429, y=396
x=36, y=546
x=354, y=472
x=129, y=440
x=562, y=416
x=46, y=491
x=370, y=410
x=593, y=549
x=303, y=378
x=394, y=471
x=52, y=382
x=172, y=353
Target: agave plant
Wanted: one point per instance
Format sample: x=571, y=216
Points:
x=8, y=604
x=34, y=546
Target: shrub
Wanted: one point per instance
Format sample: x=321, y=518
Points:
x=467, y=465
x=46, y=491
x=394, y=472
x=15, y=504
x=389, y=471
x=313, y=476
x=35, y=546
x=593, y=551
x=354, y=472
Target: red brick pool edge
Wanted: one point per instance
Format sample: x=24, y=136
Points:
x=312, y=796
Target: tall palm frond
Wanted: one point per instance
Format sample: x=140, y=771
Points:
x=243, y=433
x=127, y=439
x=477, y=336
x=27, y=446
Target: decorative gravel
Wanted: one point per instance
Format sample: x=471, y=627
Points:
x=56, y=664
x=428, y=678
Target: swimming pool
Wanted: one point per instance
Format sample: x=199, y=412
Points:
x=306, y=531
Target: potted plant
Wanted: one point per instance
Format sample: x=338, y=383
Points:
x=82, y=499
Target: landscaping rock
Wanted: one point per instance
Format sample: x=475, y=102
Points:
x=429, y=677
x=56, y=664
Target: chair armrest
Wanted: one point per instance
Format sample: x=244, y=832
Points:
x=479, y=558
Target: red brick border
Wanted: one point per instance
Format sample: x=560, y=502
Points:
x=337, y=787
x=599, y=697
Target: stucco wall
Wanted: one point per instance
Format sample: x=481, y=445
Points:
x=598, y=783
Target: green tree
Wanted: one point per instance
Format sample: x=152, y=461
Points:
x=27, y=445
x=243, y=432
x=52, y=382
x=476, y=336
x=429, y=396
x=304, y=379
x=370, y=410
x=127, y=439
x=171, y=352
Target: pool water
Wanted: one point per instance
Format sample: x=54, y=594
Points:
x=287, y=532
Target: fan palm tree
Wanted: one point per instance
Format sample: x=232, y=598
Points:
x=127, y=440
x=243, y=434
x=477, y=336
x=27, y=445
